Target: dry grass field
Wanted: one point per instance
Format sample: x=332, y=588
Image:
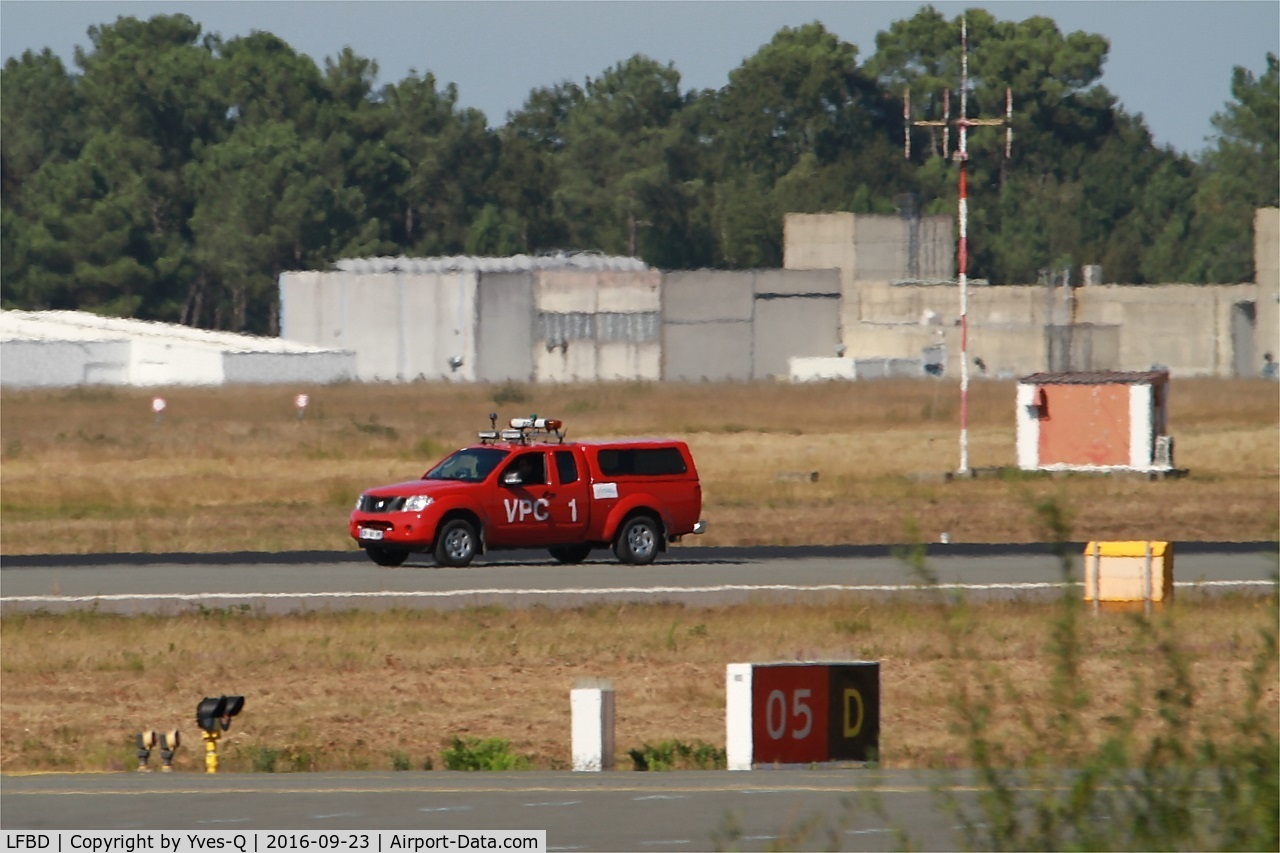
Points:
x=357, y=690
x=232, y=469
x=229, y=469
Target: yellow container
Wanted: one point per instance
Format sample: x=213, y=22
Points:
x=1128, y=571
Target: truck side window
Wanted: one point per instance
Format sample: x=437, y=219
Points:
x=644, y=462
x=532, y=468
x=566, y=467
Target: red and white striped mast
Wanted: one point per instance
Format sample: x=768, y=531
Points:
x=963, y=123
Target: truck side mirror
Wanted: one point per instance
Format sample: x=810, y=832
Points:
x=511, y=478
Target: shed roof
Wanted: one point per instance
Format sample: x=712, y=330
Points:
x=1098, y=377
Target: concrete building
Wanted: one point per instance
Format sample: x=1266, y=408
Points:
x=876, y=291
x=1194, y=330
x=583, y=317
x=70, y=348
x=561, y=319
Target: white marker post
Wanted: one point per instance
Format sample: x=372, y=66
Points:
x=300, y=403
x=737, y=716
x=591, y=703
x=157, y=406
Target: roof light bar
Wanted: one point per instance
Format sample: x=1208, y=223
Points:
x=536, y=423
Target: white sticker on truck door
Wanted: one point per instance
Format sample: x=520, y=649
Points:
x=604, y=490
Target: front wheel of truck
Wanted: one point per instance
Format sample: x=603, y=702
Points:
x=456, y=543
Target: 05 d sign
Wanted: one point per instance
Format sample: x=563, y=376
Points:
x=801, y=713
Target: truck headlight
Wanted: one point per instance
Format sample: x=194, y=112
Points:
x=417, y=503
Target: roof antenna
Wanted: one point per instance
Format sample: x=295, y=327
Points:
x=493, y=420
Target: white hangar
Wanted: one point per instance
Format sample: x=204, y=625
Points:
x=68, y=348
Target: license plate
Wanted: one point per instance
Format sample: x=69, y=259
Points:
x=370, y=533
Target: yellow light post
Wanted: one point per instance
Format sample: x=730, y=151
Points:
x=213, y=716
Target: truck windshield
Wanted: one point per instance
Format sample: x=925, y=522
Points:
x=471, y=464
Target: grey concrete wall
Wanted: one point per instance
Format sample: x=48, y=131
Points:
x=870, y=247
x=883, y=302
x=882, y=248
x=787, y=326
x=820, y=282
x=1266, y=262
x=814, y=241
x=504, y=327
x=439, y=314
x=61, y=364
x=1188, y=328
x=707, y=296
x=319, y=368
x=1184, y=327
x=706, y=325
x=1007, y=351
x=797, y=313
x=402, y=326
x=739, y=326
x=867, y=248
x=938, y=247
x=302, y=315
x=364, y=314
x=713, y=351
x=610, y=322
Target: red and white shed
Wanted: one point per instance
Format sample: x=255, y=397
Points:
x=1094, y=421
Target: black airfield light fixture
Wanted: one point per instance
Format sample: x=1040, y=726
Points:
x=213, y=716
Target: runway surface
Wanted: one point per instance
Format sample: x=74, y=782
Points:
x=757, y=810
x=692, y=575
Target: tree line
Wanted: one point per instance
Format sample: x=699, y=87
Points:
x=176, y=174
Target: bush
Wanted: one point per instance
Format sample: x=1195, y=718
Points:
x=475, y=754
x=674, y=755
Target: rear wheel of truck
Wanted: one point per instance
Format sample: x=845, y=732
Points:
x=637, y=541
x=569, y=553
x=456, y=543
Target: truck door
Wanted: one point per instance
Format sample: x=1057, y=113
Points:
x=520, y=512
x=569, y=515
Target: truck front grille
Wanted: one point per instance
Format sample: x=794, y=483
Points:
x=373, y=503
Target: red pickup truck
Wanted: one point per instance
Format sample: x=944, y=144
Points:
x=526, y=487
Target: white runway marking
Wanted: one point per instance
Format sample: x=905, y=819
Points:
x=662, y=797
x=461, y=593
